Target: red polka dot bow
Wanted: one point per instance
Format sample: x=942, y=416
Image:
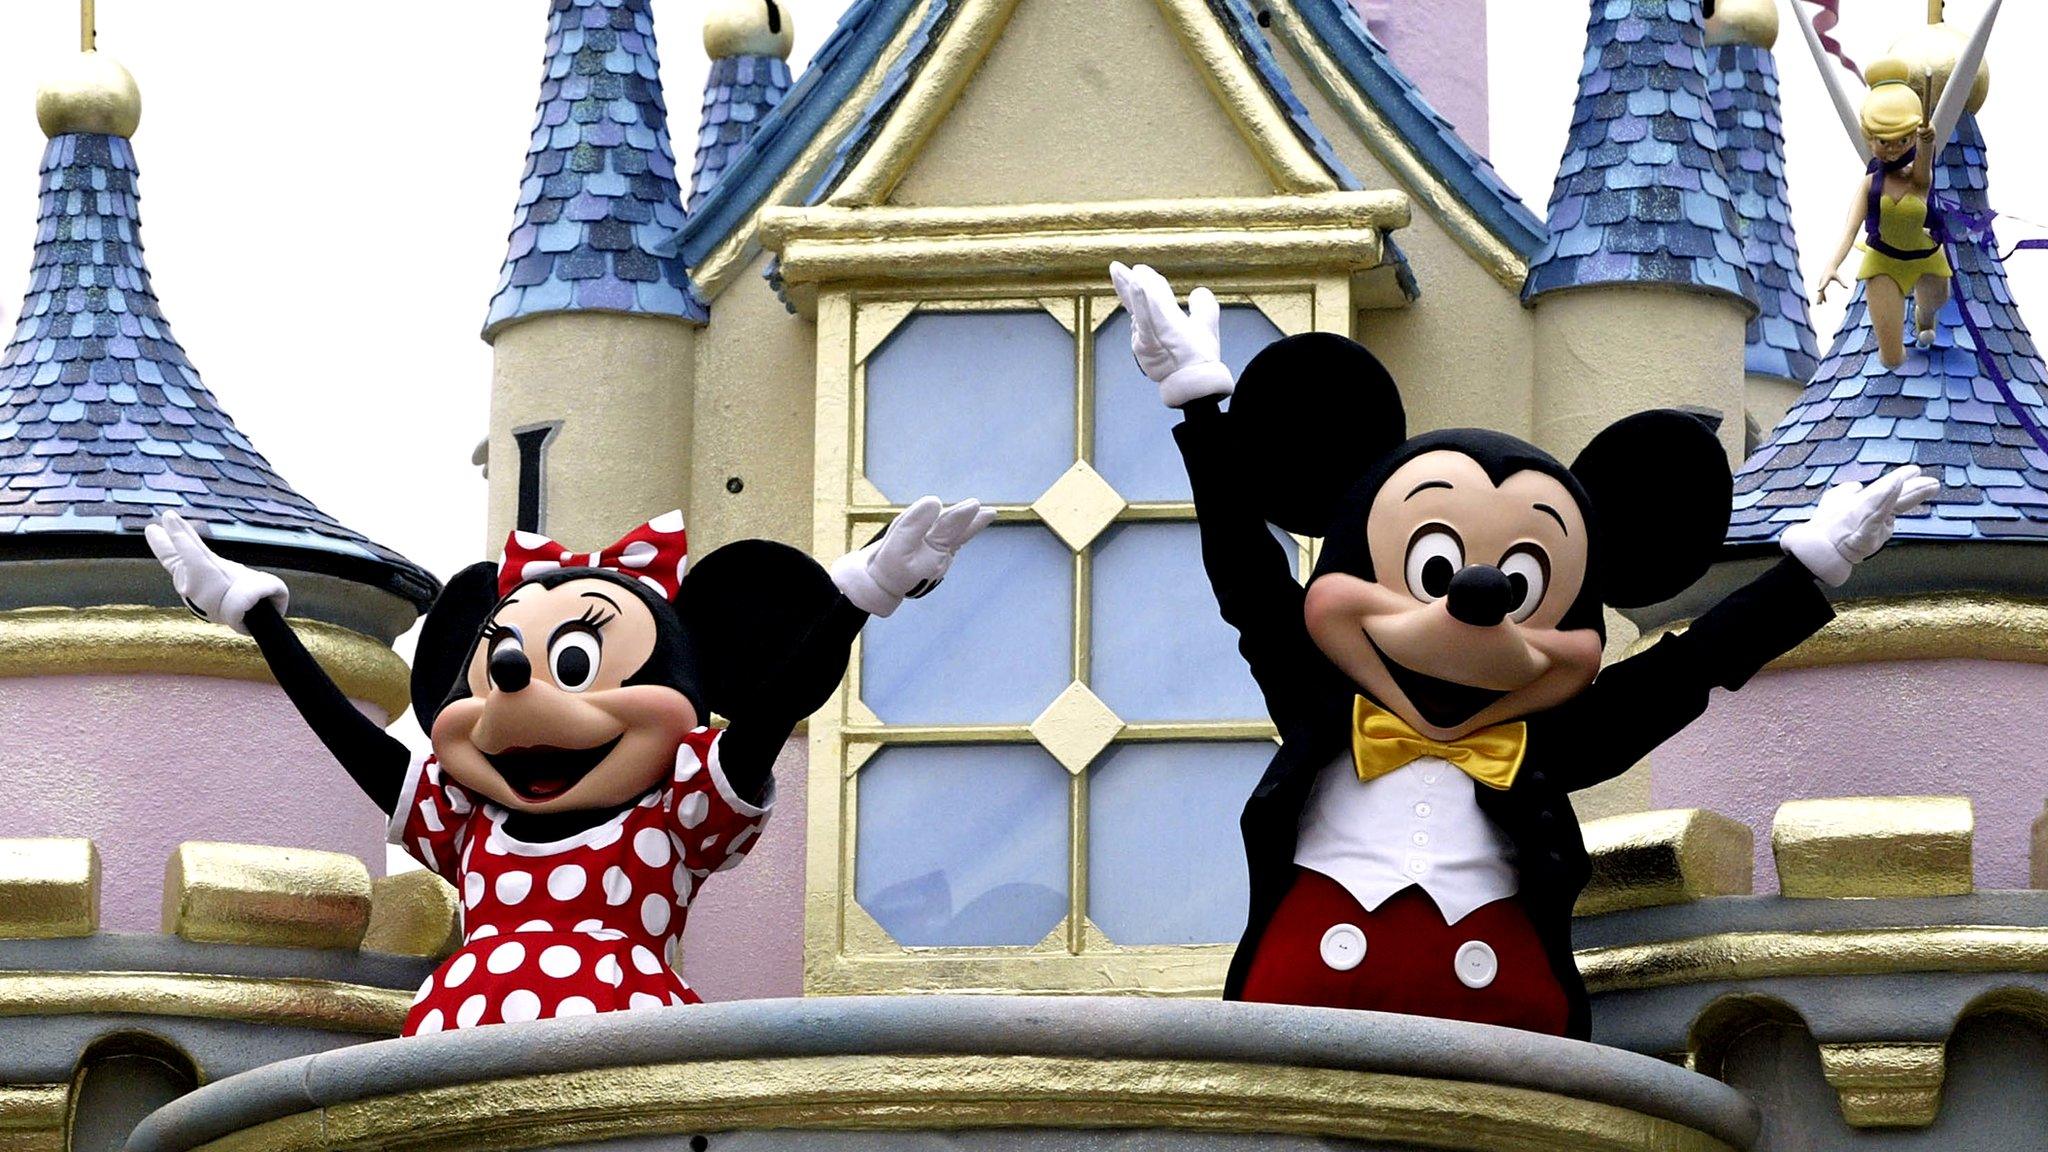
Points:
x=656, y=553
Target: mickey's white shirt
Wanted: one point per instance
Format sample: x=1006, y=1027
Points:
x=1417, y=825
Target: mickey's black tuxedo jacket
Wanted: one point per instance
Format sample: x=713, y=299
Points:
x=1634, y=705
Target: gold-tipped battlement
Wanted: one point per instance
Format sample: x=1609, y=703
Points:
x=413, y=914
x=1646, y=859
x=49, y=888
x=1880, y=846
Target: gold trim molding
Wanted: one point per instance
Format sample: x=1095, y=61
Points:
x=330, y=1005
x=132, y=640
x=1726, y=956
x=1956, y=627
x=33, y=1117
x=929, y=1093
x=1876, y=846
x=1886, y=1085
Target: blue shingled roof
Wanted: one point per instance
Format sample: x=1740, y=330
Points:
x=1435, y=141
x=739, y=94
x=1742, y=86
x=1640, y=197
x=1858, y=419
x=599, y=206
x=103, y=421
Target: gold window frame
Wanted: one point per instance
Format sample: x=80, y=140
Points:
x=846, y=949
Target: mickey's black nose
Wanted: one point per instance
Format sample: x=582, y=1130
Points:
x=511, y=671
x=1480, y=595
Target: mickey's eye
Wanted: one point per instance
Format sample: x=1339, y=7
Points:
x=573, y=658
x=1434, y=556
x=1528, y=572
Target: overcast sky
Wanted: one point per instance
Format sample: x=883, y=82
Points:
x=327, y=188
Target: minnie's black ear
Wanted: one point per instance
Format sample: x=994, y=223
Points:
x=1661, y=493
x=446, y=636
x=1312, y=413
x=747, y=607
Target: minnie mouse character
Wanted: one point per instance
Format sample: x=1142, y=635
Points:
x=575, y=797
x=1411, y=847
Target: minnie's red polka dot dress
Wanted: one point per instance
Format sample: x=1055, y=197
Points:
x=580, y=925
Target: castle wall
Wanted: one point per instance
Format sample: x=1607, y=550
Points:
x=1768, y=398
x=1441, y=45
x=142, y=763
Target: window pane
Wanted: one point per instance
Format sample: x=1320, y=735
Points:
x=994, y=643
x=1161, y=649
x=971, y=404
x=1165, y=861
x=963, y=845
x=1134, y=447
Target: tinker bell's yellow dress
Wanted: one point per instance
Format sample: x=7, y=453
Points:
x=1902, y=224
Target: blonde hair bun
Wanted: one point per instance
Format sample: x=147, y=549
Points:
x=1892, y=109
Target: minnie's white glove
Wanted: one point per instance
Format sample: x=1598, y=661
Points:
x=217, y=589
x=911, y=557
x=1182, y=352
x=1853, y=522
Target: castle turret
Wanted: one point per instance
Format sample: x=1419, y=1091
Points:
x=1642, y=292
x=592, y=328
x=749, y=43
x=1742, y=87
x=122, y=717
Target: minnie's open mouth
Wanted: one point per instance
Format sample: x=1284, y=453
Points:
x=1444, y=703
x=542, y=772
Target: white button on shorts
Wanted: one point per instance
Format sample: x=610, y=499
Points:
x=1476, y=964
x=1343, y=947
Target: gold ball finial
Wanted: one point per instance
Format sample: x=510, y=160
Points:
x=748, y=28
x=1742, y=22
x=91, y=92
x=1930, y=52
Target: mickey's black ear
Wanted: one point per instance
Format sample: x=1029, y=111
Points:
x=446, y=636
x=747, y=607
x=1312, y=413
x=1661, y=491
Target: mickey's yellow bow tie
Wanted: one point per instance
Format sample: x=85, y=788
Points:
x=1382, y=742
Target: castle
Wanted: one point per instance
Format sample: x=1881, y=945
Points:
x=884, y=276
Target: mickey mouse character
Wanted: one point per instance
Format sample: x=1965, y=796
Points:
x=1411, y=847
x=575, y=797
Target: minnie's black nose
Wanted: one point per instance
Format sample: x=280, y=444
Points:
x=510, y=670
x=1480, y=595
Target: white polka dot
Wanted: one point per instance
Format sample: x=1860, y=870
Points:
x=692, y=810
x=536, y=926
x=654, y=585
x=520, y=1006
x=609, y=934
x=428, y=856
x=459, y=970
x=652, y=799
x=575, y=1006
x=426, y=989
x=745, y=837
x=458, y=801
x=472, y=1010
x=654, y=914
x=431, y=816
x=532, y=568
x=676, y=998
x=643, y=1000
x=651, y=845
x=638, y=554
x=617, y=888
x=560, y=961
x=607, y=969
x=483, y=932
x=472, y=889
x=507, y=956
x=645, y=960
x=685, y=885
x=668, y=523
x=567, y=882
x=533, y=541
x=687, y=764
x=513, y=886
x=708, y=843
x=495, y=844
x=591, y=925
x=429, y=1024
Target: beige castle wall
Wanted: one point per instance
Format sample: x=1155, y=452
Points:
x=1464, y=351
x=1769, y=398
x=755, y=405
x=621, y=387
x=1084, y=100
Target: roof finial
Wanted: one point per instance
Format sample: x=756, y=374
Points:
x=747, y=28
x=88, y=35
x=1934, y=10
x=91, y=92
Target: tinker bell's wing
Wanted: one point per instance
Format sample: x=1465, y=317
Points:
x=1948, y=112
x=1852, y=121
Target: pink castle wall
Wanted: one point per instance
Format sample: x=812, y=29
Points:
x=745, y=939
x=1911, y=728
x=1441, y=45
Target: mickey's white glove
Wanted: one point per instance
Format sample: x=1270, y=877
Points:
x=1853, y=522
x=218, y=589
x=1182, y=352
x=911, y=557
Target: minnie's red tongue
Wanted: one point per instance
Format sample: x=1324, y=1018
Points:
x=544, y=788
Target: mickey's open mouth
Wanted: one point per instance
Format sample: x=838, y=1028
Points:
x=1444, y=703
x=542, y=772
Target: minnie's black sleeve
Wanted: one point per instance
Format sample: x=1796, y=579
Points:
x=376, y=760
x=1638, y=703
x=1248, y=569
x=751, y=742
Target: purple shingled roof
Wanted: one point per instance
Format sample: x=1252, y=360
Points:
x=739, y=93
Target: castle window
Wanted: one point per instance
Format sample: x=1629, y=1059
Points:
x=532, y=489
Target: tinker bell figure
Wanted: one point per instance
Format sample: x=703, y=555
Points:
x=1902, y=227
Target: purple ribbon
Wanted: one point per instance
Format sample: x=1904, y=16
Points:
x=1976, y=229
